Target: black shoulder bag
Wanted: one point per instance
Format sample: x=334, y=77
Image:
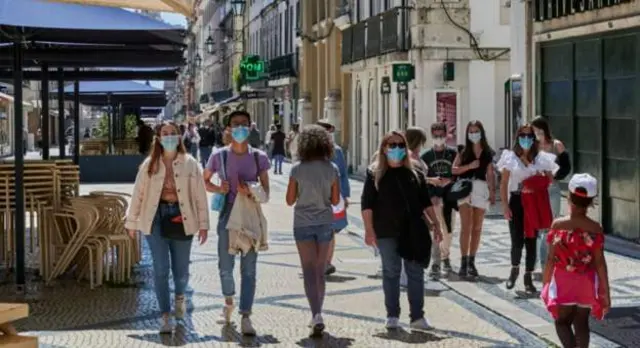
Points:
x=415, y=243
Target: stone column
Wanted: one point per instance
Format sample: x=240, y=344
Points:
x=307, y=76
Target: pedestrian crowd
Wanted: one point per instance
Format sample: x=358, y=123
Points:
x=413, y=196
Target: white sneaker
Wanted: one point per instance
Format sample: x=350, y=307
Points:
x=317, y=326
x=166, y=327
x=393, y=323
x=246, y=327
x=421, y=324
x=227, y=312
x=181, y=307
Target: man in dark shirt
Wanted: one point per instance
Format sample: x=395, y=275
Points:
x=278, y=139
x=207, y=141
x=439, y=160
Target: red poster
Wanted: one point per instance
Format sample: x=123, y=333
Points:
x=447, y=112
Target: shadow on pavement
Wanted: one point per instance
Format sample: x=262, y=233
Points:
x=327, y=340
x=181, y=337
x=229, y=333
x=621, y=325
x=413, y=337
x=338, y=279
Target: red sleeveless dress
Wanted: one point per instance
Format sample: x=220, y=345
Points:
x=574, y=281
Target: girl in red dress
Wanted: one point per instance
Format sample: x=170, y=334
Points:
x=575, y=275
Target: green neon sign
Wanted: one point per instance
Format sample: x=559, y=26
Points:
x=252, y=68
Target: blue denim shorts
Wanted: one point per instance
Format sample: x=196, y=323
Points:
x=318, y=233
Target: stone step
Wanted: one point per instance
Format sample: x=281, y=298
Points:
x=11, y=341
x=10, y=312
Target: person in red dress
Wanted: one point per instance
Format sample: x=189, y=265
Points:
x=575, y=277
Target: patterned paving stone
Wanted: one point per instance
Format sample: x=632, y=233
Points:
x=71, y=315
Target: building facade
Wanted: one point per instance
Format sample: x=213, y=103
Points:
x=325, y=89
x=586, y=62
x=270, y=27
x=459, y=53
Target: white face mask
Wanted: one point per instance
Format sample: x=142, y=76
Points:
x=539, y=135
x=438, y=141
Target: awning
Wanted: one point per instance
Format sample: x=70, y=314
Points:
x=64, y=22
x=228, y=101
x=184, y=7
x=52, y=15
x=115, y=87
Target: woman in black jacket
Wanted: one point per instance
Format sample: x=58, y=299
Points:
x=395, y=203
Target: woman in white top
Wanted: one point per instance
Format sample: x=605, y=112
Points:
x=523, y=162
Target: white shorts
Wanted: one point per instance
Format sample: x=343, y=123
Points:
x=479, y=197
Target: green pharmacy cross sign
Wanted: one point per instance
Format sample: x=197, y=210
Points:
x=252, y=68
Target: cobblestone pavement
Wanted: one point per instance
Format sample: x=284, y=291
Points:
x=71, y=315
x=619, y=329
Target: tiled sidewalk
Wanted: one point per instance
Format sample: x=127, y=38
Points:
x=71, y=315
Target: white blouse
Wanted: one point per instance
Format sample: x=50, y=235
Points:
x=544, y=162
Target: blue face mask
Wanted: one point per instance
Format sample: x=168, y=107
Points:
x=525, y=142
x=170, y=142
x=396, y=154
x=240, y=134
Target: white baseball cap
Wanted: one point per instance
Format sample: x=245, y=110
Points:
x=586, y=182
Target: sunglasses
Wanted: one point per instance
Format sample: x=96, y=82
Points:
x=396, y=145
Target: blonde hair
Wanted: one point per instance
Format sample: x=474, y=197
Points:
x=379, y=162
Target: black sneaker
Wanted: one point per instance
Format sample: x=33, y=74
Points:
x=464, y=267
x=528, y=283
x=435, y=272
x=446, y=267
x=331, y=269
x=471, y=264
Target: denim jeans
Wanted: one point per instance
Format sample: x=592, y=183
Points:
x=193, y=150
x=205, y=152
x=168, y=254
x=555, y=197
x=278, y=159
x=226, y=263
x=391, y=267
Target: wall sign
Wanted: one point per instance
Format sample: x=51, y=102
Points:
x=402, y=87
x=403, y=72
x=385, y=85
x=447, y=112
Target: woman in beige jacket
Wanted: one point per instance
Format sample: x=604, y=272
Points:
x=169, y=206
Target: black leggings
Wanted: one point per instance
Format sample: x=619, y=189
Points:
x=572, y=326
x=518, y=241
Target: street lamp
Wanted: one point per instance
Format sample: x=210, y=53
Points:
x=210, y=44
x=238, y=6
x=198, y=60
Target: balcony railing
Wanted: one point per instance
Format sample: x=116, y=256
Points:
x=550, y=9
x=347, y=46
x=283, y=66
x=381, y=34
x=358, y=42
x=373, y=36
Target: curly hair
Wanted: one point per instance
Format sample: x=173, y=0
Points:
x=314, y=143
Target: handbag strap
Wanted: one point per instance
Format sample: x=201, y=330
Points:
x=256, y=159
x=404, y=197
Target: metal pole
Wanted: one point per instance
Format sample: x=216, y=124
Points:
x=528, y=44
x=18, y=132
x=76, y=121
x=110, y=128
x=61, y=129
x=45, y=130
